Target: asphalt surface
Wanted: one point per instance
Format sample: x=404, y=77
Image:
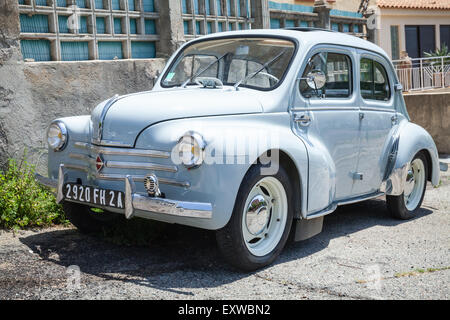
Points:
x=362, y=253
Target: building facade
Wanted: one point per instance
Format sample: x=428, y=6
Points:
x=412, y=26
x=76, y=30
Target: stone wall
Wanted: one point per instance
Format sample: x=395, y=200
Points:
x=432, y=112
x=33, y=94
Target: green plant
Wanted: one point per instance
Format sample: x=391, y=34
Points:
x=442, y=52
x=23, y=202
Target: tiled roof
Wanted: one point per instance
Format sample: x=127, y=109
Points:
x=415, y=4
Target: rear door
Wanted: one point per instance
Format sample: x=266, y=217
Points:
x=378, y=118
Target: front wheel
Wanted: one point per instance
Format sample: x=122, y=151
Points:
x=406, y=205
x=262, y=217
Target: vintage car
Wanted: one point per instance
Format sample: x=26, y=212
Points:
x=255, y=134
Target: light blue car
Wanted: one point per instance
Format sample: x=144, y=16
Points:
x=254, y=134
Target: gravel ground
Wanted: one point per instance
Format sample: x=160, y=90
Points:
x=361, y=254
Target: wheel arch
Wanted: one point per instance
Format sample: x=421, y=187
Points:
x=297, y=181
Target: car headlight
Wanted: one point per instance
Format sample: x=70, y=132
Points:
x=57, y=136
x=191, y=149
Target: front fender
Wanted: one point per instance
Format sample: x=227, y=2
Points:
x=234, y=143
x=411, y=139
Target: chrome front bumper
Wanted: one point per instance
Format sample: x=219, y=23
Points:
x=136, y=201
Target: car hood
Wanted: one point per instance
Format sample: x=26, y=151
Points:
x=129, y=115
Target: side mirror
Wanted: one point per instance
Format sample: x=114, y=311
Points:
x=316, y=79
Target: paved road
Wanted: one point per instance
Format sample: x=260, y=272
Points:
x=361, y=254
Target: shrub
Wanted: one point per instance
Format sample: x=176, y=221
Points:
x=23, y=202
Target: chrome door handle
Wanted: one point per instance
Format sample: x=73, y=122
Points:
x=303, y=120
x=394, y=119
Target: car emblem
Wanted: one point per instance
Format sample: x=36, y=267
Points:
x=99, y=163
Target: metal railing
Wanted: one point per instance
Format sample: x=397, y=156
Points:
x=423, y=73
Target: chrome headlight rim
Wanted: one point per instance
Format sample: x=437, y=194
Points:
x=64, y=135
x=199, y=143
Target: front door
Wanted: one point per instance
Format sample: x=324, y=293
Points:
x=328, y=119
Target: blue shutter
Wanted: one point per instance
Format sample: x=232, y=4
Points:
x=131, y=5
x=197, y=26
x=274, y=23
x=184, y=6
x=39, y=50
x=142, y=50
x=100, y=22
x=83, y=25
x=81, y=3
x=220, y=26
x=289, y=23
x=21, y=1
x=74, y=51
x=37, y=23
x=304, y=24
x=117, y=26
x=209, y=27
x=62, y=24
x=196, y=7
x=98, y=4
x=61, y=3
x=107, y=50
x=238, y=8
x=150, y=26
x=229, y=7
x=345, y=27
x=133, y=26
x=41, y=2
x=148, y=5
x=115, y=4
x=186, y=27
x=335, y=27
x=219, y=7
x=207, y=7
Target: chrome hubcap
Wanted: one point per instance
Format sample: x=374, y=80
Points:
x=265, y=216
x=415, y=182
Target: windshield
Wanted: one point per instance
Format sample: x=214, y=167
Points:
x=258, y=63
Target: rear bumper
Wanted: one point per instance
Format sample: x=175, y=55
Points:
x=140, y=202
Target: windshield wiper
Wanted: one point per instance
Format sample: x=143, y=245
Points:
x=200, y=72
x=265, y=65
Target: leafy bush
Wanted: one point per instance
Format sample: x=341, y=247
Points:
x=24, y=202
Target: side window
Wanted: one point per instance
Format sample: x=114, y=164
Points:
x=374, y=81
x=337, y=68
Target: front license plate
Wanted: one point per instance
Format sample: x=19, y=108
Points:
x=92, y=195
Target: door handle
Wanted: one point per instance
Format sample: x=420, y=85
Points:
x=304, y=120
x=394, y=119
x=361, y=115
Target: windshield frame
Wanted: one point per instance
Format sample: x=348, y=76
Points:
x=237, y=36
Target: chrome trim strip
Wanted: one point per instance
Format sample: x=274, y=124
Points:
x=132, y=152
x=324, y=108
x=140, y=165
x=76, y=167
x=141, y=178
x=109, y=143
x=59, y=190
x=103, y=116
x=378, y=109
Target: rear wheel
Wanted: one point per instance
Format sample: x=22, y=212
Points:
x=406, y=205
x=260, y=224
x=88, y=220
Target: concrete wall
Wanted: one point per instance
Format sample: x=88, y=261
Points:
x=432, y=112
x=33, y=94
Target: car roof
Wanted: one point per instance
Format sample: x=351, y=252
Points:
x=308, y=37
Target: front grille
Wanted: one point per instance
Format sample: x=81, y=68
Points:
x=86, y=161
